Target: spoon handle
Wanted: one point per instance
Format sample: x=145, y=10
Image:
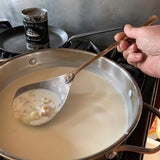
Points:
x=151, y=20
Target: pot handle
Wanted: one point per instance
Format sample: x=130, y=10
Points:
x=137, y=149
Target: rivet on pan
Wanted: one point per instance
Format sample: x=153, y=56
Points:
x=111, y=155
x=130, y=93
x=32, y=61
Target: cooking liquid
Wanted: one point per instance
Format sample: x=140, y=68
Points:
x=36, y=106
x=93, y=117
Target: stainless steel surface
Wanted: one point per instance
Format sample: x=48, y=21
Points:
x=105, y=68
x=82, y=16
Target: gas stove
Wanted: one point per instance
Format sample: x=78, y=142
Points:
x=147, y=84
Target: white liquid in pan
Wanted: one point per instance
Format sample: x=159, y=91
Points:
x=36, y=107
x=93, y=117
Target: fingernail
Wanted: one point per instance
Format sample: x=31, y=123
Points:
x=131, y=47
x=135, y=56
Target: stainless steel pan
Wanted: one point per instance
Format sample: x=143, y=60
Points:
x=23, y=64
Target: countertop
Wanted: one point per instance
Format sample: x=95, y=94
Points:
x=150, y=144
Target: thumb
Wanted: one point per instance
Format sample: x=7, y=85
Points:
x=130, y=31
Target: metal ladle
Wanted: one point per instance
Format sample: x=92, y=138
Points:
x=60, y=85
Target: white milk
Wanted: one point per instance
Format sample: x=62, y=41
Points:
x=36, y=106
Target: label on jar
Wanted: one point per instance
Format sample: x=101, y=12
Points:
x=36, y=35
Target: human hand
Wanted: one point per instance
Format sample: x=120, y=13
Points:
x=143, y=51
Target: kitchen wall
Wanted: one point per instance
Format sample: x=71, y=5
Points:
x=80, y=16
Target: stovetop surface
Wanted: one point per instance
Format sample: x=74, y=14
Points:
x=146, y=83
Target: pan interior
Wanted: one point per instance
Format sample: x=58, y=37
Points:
x=93, y=118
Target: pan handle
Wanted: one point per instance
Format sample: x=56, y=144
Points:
x=93, y=33
x=4, y=24
x=137, y=149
